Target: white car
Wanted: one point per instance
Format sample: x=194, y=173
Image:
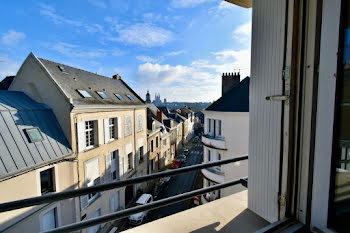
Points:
x=137, y=219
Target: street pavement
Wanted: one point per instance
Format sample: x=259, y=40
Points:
x=179, y=184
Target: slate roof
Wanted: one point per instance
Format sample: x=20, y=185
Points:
x=72, y=79
x=17, y=113
x=234, y=100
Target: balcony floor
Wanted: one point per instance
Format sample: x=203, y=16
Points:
x=228, y=214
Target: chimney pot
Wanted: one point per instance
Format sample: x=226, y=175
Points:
x=117, y=76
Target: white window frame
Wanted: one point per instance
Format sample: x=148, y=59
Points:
x=56, y=180
x=113, y=128
x=95, y=134
x=58, y=215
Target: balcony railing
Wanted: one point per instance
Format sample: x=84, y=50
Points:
x=52, y=197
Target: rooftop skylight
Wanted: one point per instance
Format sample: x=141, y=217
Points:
x=102, y=94
x=62, y=69
x=130, y=97
x=34, y=135
x=119, y=96
x=84, y=93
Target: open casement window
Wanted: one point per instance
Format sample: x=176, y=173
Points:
x=47, y=181
x=114, y=202
x=49, y=220
x=139, y=123
x=121, y=165
x=92, y=177
x=112, y=166
x=87, y=135
x=112, y=129
x=128, y=125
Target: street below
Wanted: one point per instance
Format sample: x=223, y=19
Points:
x=179, y=184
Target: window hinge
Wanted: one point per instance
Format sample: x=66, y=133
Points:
x=282, y=200
x=286, y=73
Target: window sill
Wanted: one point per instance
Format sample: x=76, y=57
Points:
x=90, y=148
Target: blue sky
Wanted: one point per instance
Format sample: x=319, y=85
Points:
x=178, y=48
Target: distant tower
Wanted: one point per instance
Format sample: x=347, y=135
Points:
x=148, y=97
x=165, y=100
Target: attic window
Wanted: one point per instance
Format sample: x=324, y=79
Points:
x=130, y=97
x=62, y=69
x=34, y=135
x=102, y=94
x=119, y=96
x=84, y=94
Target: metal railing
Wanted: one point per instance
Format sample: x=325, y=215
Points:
x=52, y=197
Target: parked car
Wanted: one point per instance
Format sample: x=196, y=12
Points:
x=182, y=158
x=176, y=163
x=159, y=186
x=137, y=219
x=186, y=151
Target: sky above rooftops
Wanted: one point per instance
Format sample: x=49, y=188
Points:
x=178, y=48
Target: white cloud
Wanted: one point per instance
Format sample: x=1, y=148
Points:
x=76, y=51
x=146, y=59
x=7, y=66
x=50, y=12
x=117, y=52
x=243, y=32
x=176, y=53
x=12, y=37
x=142, y=34
x=187, y=3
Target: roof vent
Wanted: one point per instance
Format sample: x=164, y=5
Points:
x=117, y=76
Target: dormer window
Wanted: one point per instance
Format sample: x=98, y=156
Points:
x=130, y=97
x=119, y=96
x=34, y=135
x=102, y=94
x=84, y=94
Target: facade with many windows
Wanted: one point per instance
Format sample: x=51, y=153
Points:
x=104, y=121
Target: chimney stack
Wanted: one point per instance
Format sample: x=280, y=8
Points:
x=117, y=76
x=229, y=80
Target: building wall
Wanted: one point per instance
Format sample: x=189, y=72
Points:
x=156, y=150
x=103, y=149
x=235, y=133
x=28, y=185
x=35, y=82
x=179, y=137
x=166, y=148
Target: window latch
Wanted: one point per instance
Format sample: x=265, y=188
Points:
x=278, y=97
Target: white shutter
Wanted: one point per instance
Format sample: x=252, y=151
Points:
x=99, y=132
x=108, y=175
x=81, y=136
x=84, y=202
x=49, y=220
x=119, y=127
x=106, y=130
x=126, y=163
x=121, y=165
x=92, y=171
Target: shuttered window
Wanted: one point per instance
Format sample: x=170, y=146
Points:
x=128, y=125
x=139, y=123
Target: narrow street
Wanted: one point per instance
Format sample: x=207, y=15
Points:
x=179, y=184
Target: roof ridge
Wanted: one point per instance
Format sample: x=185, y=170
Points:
x=75, y=68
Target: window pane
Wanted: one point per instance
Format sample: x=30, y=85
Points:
x=119, y=96
x=84, y=94
x=102, y=95
x=46, y=181
x=49, y=220
x=34, y=135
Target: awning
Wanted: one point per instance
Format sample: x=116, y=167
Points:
x=242, y=3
